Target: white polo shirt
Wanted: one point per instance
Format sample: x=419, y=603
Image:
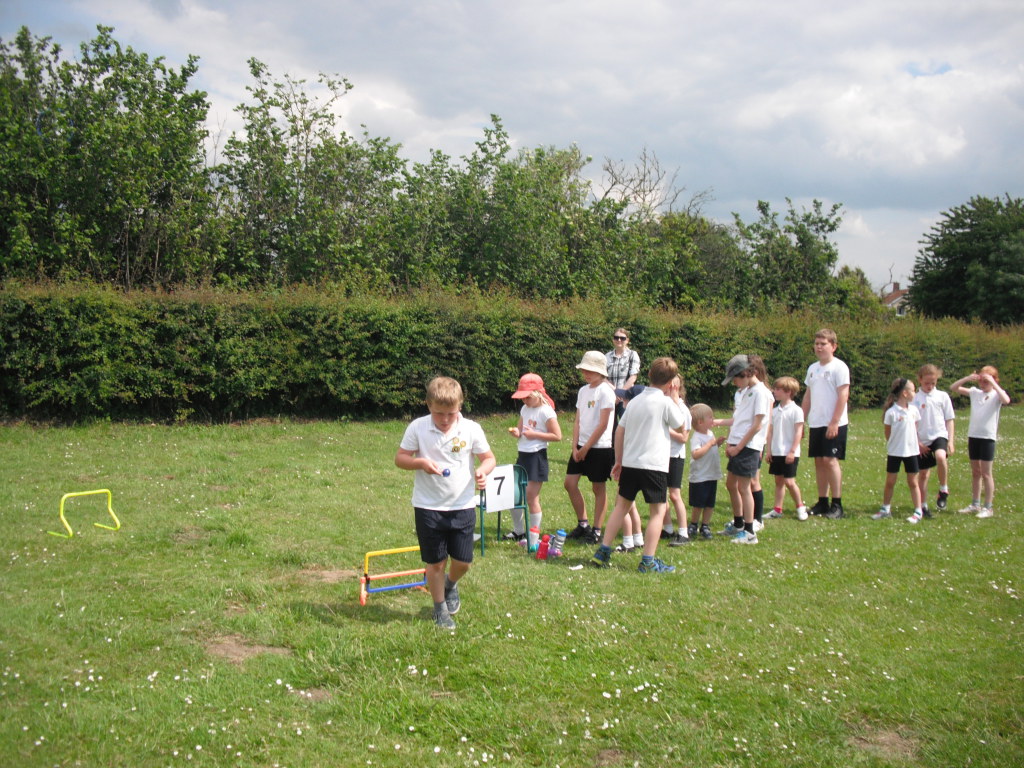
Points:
x=645, y=422
x=936, y=409
x=590, y=402
x=454, y=451
x=823, y=382
x=784, y=421
x=903, y=433
x=985, y=407
x=750, y=402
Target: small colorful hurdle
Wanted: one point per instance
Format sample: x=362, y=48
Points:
x=117, y=523
x=364, y=581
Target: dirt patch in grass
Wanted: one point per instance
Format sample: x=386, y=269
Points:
x=609, y=757
x=887, y=745
x=188, y=534
x=328, y=576
x=237, y=649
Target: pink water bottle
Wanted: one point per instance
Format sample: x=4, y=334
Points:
x=542, y=550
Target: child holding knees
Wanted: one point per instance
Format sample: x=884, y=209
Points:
x=900, y=420
x=538, y=426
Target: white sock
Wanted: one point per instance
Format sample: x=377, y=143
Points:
x=627, y=541
x=669, y=529
x=518, y=518
x=638, y=539
x=535, y=521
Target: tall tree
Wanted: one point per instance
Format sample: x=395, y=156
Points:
x=104, y=172
x=971, y=263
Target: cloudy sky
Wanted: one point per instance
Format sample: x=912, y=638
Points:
x=898, y=109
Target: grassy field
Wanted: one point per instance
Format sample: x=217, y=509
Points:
x=221, y=624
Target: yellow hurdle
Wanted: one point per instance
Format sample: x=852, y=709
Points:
x=110, y=509
x=364, y=581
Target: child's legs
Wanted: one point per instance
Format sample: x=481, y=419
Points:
x=579, y=505
x=732, y=485
x=706, y=514
x=890, y=484
x=600, y=503
x=619, y=513
x=633, y=518
x=942, y=469
x=988, y=481
x=828, y=473
x=922, y=483
x=435, y=573
x=675, y=496
x=794, y=491
x=533, y=497
x=915, y=489
x=780, y=490
x=977, y=473
x=741, y=496
x=658, y=514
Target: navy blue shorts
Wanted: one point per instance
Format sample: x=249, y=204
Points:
x=597, y=466
x=443, y=534
x=535, y=464
x=778, y=466
x=981, y=449
x=818, y=446
x=746, y=463
x=675, y=472
x=910, y=463
x=703, y=495
x=653, y=483
x=928, y=460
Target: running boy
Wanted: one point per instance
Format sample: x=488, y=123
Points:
x=784, y=435
x=440, y=448
x=538, y=426
x=934, y=434
x=705, y=470
x=824, y=406
x=982, y=431
x=642, y=445
x=592, y=452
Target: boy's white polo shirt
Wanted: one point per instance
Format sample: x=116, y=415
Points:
x=751, y=401
x=823, y=381
x=784, y=421
x=645, y=422
x=453, y=451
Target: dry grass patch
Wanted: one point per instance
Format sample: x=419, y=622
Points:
x=237, y=649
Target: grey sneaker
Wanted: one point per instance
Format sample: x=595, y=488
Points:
x=881, y=514
x=451, y=599
x=691, y=530
x=678, y=540
x=444, y=620
x=655, y=566
x=705, y=532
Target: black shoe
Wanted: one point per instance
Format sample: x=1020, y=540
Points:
x=925, y=511
x=593, y=536
x=691, y=531
x=705, y=532
x=835, y=512
x=513, y=536
x=941, y=501
x=579, y=532
x=820, y=509
x=665, y=535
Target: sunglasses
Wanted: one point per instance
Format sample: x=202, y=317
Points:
x=621, y=338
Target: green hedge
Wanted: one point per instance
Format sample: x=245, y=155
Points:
x=72, y=353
